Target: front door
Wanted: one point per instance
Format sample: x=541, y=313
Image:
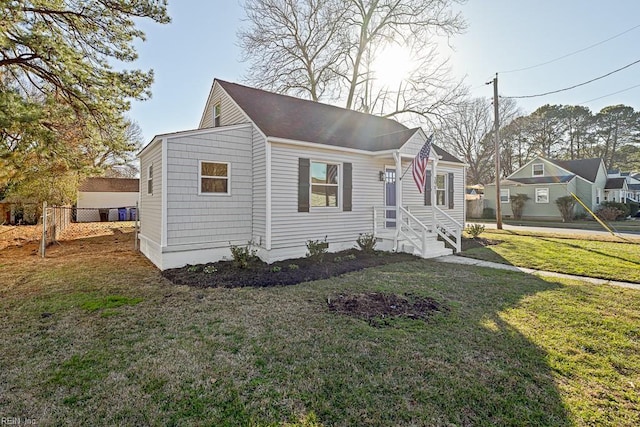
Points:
x=390, y=197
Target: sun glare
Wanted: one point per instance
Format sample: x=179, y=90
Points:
x=392, y=65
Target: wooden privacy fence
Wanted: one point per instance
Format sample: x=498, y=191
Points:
x=55, y=219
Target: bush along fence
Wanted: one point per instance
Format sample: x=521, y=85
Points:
x=55, y=219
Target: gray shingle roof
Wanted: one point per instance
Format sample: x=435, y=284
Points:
x=615, y=183
x=110, y=185
x=586, y=168
x=286, y=117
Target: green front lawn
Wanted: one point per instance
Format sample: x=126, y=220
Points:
x=607, y=258
x=101, y=338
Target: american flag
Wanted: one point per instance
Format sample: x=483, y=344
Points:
x=419, y=164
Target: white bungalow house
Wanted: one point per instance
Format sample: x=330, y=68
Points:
x=280, y=171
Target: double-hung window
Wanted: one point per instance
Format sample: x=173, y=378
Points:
x=441, y=190
x=214, y=177
x=216, y=115
x=325, y=186
x=542, y=195
x=504, y=195
x=150, y=179
x=538, y=169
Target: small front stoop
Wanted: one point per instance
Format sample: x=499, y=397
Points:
x=435, y=247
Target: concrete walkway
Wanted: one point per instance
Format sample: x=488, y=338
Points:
x=455, y=259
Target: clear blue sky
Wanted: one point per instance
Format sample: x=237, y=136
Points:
x=503, y=35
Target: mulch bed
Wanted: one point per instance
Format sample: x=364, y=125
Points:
x=281, y=273
x=377, y=307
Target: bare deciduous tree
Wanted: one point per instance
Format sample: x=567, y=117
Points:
x=293, y=46
x=326, y=50
x=468, y=133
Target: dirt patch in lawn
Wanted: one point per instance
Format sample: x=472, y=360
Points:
x=376, y=307
x=477, y=242
x=281, y=273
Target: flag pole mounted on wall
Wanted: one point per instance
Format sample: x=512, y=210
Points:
x=419, y=165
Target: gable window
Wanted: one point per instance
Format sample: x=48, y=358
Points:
x=216, y=115
x=324, y=185
x=504, y=195
x=441, y=190
x=542, y=195
x=150, y=179
x=538, y=169
x=214, y=178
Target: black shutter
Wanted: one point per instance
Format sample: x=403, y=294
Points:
x=347, y=186
x=303, y=185
x=450, y=189
x=427, y=188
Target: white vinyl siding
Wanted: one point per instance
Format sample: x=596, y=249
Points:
x=291, y=228
x=230, y=114
x=209, y=221
x=151, y=204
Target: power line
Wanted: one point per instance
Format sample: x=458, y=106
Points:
x=574, y=86
x=572, y=53
x=609, y=94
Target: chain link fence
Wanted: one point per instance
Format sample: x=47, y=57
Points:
x=55, y=219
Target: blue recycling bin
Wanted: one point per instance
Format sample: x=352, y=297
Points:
x=133, y=214
x=122, y=214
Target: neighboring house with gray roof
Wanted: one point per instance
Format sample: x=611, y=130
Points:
x=545, y=180
x=108, y=195
x=280, y=171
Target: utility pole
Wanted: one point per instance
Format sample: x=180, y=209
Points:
x=496, y=125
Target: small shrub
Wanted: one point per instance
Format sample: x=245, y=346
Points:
x=366, y=242
x=209, y=269
x=633, y=208
x=609, y=213
x=623, y=208
x=243, y=255
x=517, y=204
x=293, y=266
x=349, y=257
x=488, y=213
x=565, y=206
x=193, y=268
x=475, y=230
x=275, y=269
x=337, y=259
x=317, y=248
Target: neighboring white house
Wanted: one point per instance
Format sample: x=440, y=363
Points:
x=279, y=171
x=106, y=195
